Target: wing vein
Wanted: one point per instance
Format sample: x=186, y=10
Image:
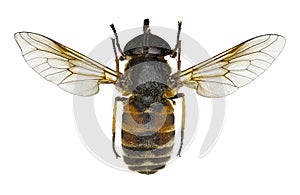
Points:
x=67, y=68
x=44, y=43
x=243, y=63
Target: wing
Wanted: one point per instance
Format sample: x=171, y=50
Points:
x=223, y=74
x=70, y=70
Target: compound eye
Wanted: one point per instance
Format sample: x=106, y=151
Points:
x=154, y=50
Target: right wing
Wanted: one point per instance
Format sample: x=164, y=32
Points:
x=226, y=72
x=70, y=70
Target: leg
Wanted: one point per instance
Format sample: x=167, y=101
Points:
x=117, y=41
x=122, y=99
x=181, y=95
x=178, y=31
x=178, y=57
x=116, y=56
x=173, y=54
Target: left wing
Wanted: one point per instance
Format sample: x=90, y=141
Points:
x=226, y=72
x=70, y=70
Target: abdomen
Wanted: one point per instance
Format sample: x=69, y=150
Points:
x=147, y=136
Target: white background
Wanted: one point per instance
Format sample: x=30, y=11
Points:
x=257, y=153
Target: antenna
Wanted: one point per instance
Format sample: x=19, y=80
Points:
x=146, y=28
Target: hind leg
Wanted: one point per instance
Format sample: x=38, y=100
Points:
x=182, y=96
x=122, y=99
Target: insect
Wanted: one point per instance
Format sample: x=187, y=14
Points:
x=147, y=85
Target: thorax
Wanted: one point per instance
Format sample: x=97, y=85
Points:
x=146, y=78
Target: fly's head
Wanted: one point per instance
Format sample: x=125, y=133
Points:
x=147, y=46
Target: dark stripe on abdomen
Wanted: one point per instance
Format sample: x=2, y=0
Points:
x=147, y=156
x=147, y=138
x=146, y=161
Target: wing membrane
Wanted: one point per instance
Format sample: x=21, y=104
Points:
x=70, y=70
x=226, y=72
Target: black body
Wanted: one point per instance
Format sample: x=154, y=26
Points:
x=148, y=116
